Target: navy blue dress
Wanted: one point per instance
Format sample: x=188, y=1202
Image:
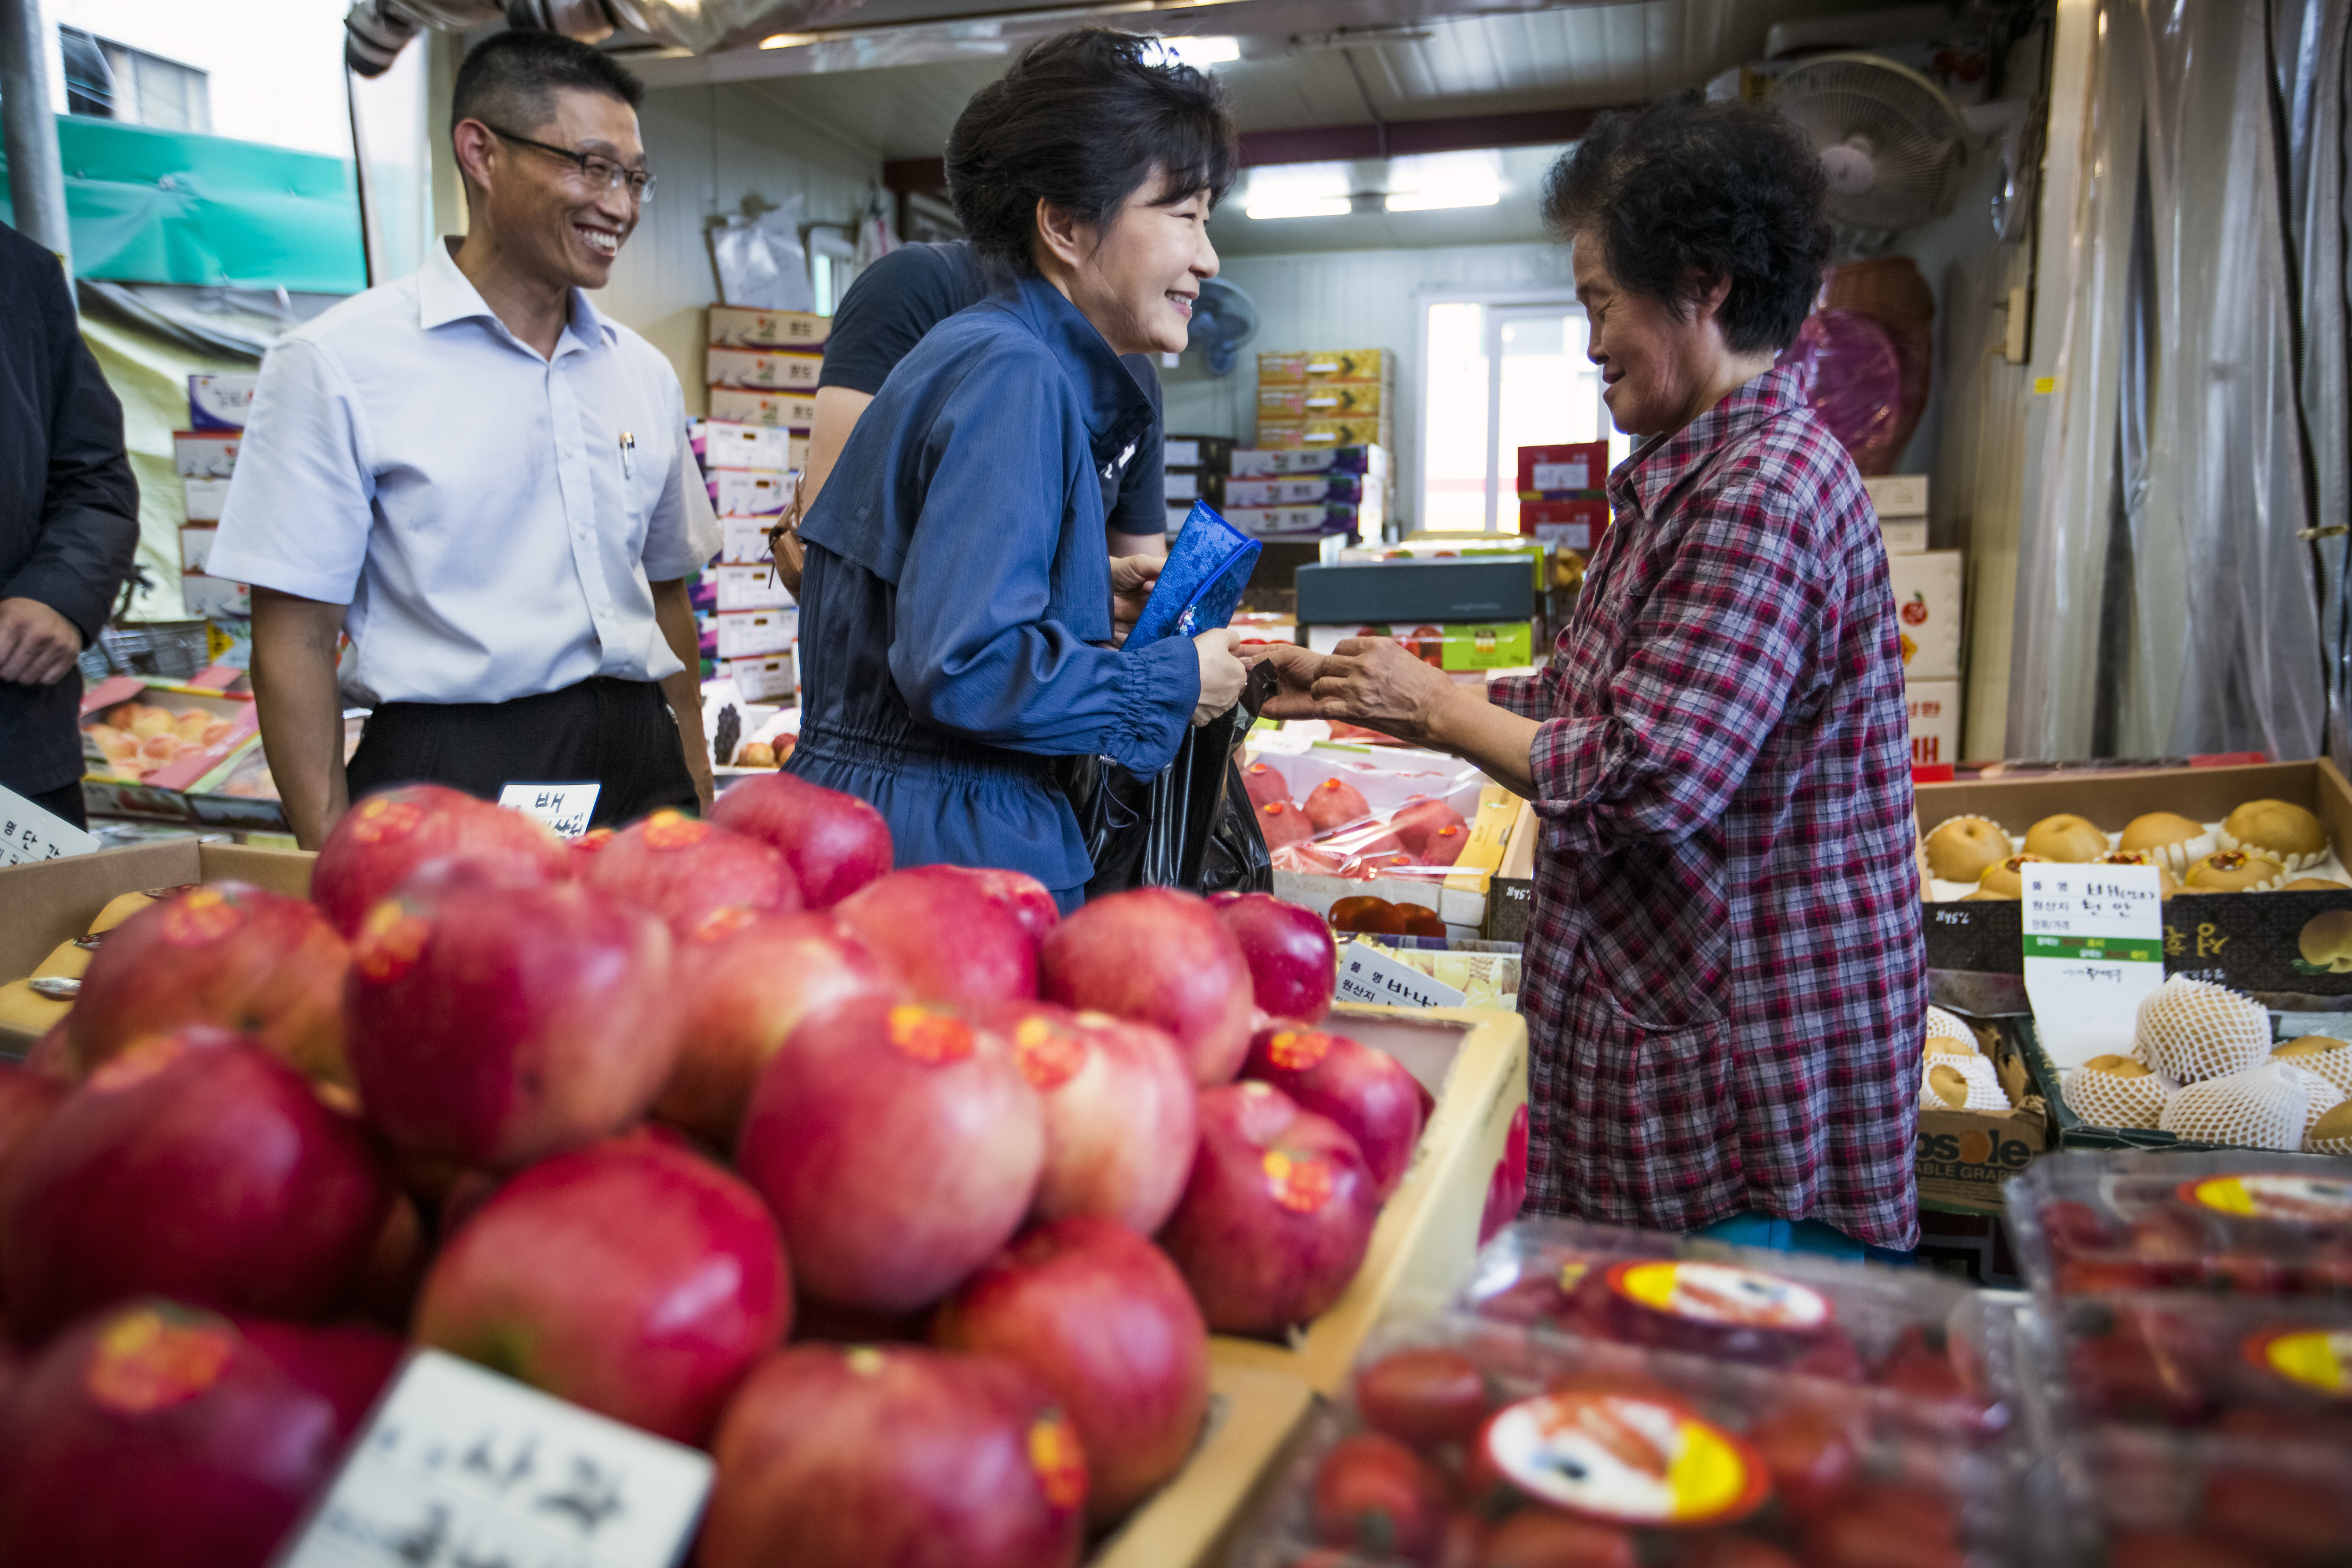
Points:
x=955, y=607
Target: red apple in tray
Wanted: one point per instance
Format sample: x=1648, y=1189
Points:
x=1292, y=962
x=687, y=871
x=743, y=985
x=1334, y=803
x=1278, y=1214
x=1282, y=823
x=386, y=836
x=894, y=1457
x=1029, y=901
x=494, y=1026
x=835, y=843
x=194, y=1165
x=953, y=939
x=1368, y=1093
x=155, y=1435
x=899, y=1147
x=1445, y=845
x=1420, y=817
x=633, y=1277
x=1162, y=958
x=1104, y=1321
x=1121, y=1114
x=224, y=954
x=1265, y=785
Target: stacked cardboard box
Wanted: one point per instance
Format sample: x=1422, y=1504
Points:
x=1195, y=468
x=1341, y=397
x=1928, y=586
x=1308, y=492
x=1562, y=500
x=762, y=368
x=204, y=457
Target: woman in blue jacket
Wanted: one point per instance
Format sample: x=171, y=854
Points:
x=956, y=609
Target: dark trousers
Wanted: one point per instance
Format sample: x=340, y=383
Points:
x=617, y=733
x=65, y=801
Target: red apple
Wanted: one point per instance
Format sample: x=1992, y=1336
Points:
x=1162, y=958
x=158, y=1436
x=194, y=1165
x=1265, y=785
x=954, y=940
x=1443, y=845
x=26, y=1098
x=876, y=1457
x=1029, y=901
x=687, y=871
x=1367, y=1093
x=1334, y=803
x=493, y=1026
x=1104, y=1321
x=384, y=838
x=836, y=843
x=1293, y=963
x=1420, y=817
x=1374, y=1495
x=631, y=1277
x=744, y=983
x=897, y=1145
x=1121, y=1115
x=1283, y=823
x=224, y=954
x=1278, y=1214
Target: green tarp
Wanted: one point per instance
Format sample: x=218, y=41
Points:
x=167, y=206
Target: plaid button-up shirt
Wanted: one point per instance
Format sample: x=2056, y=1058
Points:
x=1724, y=985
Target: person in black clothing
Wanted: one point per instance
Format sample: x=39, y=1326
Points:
x=887, y=312
x=68, y=523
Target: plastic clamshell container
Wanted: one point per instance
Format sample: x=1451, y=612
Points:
x=2232, y=1223
x=2276, y=1368
x=1671, y=1457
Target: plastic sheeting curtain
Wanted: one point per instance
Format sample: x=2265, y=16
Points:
x=2218, y=648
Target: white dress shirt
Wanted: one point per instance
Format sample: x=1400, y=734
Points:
x=491, y=517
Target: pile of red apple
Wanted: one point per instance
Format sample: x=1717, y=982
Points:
x=1334, y=831
x=913, y=1201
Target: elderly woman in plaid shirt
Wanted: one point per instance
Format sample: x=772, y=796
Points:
x=1724, y=977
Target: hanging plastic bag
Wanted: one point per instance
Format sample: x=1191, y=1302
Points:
x=761, y=263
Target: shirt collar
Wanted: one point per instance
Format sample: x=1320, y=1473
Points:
x=1643, y=481
x=445, y=294
x=1117, y=409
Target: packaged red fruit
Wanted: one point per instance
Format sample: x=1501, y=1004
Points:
x=1424, y=1395
x=895, y=1457
x=1368, y=1093
x=1282, y=823
x=686, y=870
x=1162, y=958
x=1887, y=1526
x=1292, y=962
x=1536, y=1538
x=1375, y=1496
x=1265, y=785
x=1334, y=803
x=1418, y=819
x=385, y=838
x=1628, y=1460
x=835, y=843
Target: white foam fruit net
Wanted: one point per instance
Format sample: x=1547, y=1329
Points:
x=2192, y=1029
x=2340, y=1146
x=2335, y=1066
x=1942, y=1025
x=2319, y=1096
x=1961, y=1084
x=2107, y=1099
x=2261, y=1108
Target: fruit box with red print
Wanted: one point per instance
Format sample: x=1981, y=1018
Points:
x=1928, y=606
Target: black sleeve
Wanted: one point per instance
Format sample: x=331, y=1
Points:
x=1143, y=490
x=89, y=515
x=887, y=311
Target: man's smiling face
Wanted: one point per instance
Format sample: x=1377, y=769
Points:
x=542, y=207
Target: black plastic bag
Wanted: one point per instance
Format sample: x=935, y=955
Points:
x=1188, y=826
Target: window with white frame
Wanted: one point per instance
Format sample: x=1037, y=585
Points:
x=114, y=81
x=1500, y=372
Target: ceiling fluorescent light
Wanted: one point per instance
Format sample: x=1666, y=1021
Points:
x=1433, y=201
x=787, y=40
x=1273, y=206
x=1201, y=53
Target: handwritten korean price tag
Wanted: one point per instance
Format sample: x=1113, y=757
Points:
x=566, y=808
x=29, y=834
x=462, y=1466
x=1369, y=974
x=2093, y=947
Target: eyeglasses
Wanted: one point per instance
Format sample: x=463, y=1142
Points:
x=602, y=173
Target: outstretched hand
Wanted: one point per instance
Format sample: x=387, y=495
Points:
x=1368, y=681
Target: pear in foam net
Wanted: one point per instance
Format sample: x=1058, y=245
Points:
x=2193, y=1030
x=2321, y=1053
x=2116, y=1091
x=2332, y=1133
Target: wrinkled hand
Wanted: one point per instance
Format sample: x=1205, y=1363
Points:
x=1368, y=681
x=1295, y=669
x=1221, y=674
x=38, y=645
x=1131, y=579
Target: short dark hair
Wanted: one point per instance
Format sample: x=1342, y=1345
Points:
x=1687, y=189
x=1082, y=120
x=510, y=79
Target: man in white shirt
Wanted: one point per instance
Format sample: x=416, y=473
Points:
x=488, y=484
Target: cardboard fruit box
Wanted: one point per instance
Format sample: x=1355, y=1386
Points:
x=1963, y=1158
x=163, y=789
x=1256, y=1413
x=2270, y=943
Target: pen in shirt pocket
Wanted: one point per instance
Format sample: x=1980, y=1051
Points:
x=628, y=455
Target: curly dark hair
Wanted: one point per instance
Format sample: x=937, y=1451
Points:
x=1082, y=120
x=1686, y=192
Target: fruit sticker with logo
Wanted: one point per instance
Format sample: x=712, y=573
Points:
x=687, y=871
x=1368, y=1093
x=1623, y=1460
x=385, y=838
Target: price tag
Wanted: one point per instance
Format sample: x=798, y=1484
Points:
x=462, y=1466
x=28, y=832
x=2093, y=947
x=1369, y=974
x=566, y=808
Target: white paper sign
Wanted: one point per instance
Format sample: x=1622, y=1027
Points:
x=461, y=1465
x=28, y=832
x=565, y=808
x=2093, y=948
x=1369, y=974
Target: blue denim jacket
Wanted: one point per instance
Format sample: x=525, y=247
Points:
x=955, y=607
